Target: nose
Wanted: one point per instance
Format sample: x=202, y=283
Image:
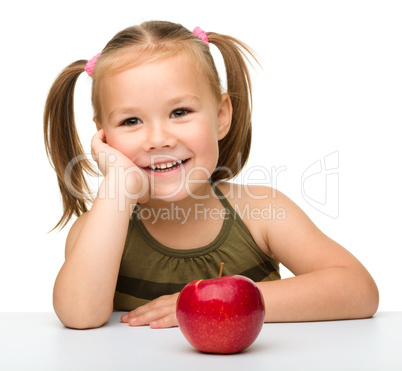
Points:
x=159, y=136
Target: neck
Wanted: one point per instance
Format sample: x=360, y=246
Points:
x=202, y=195
x=181, y=211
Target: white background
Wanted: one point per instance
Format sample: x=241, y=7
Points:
x=331, y=83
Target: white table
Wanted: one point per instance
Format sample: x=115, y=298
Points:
x=38, y=341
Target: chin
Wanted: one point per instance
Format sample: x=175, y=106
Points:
x=179, y=192
x=168, y=197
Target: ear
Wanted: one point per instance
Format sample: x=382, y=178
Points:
x=224, y=116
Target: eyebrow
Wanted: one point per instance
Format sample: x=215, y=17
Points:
x=182, y=99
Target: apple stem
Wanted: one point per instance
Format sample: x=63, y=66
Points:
x=220, y=271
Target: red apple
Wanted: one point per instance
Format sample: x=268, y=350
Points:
x=221, y=315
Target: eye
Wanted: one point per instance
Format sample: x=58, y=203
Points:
x=131, y=121
x=179, y=113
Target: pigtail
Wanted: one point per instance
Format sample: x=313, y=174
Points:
x=63, y=146
x=235, y=54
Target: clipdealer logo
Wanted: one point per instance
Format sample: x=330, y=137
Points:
x=320, y=185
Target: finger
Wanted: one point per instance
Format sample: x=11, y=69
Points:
x=98, y=139
x=124, y=318
x=153, y=304
x=152, y=315
x=100, y=135
x=152, y=311
x=165, y=322
x=133, y=314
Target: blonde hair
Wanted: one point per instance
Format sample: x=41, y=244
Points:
x=129, y=48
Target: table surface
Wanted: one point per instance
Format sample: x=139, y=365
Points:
x=38, y=341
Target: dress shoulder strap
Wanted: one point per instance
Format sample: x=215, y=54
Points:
x=232, y=212
x=221, y=197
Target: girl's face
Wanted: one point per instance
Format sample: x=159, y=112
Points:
x=164, y=117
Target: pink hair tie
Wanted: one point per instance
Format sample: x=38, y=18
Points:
x=201, y=34
x=89, y=67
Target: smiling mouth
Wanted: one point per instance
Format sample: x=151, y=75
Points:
x=167, y=166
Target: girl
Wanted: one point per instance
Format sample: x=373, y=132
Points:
x=168, y=140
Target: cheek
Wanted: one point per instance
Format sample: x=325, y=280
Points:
x=122, y=143
x=208, y=138
x=207, y=145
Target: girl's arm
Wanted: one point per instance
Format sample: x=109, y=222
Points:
x=85, y=286
x=329, y=283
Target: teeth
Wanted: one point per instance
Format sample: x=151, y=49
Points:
x=165, y=165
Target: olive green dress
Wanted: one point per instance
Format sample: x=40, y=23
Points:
x=149, y=269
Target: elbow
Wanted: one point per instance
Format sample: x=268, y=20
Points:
x=368, y=299
x=82, y=321
x=373, y=301
x=78, y=311
x=81, y=317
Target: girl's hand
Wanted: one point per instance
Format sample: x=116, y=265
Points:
x=158, y=313
x=108, y=157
